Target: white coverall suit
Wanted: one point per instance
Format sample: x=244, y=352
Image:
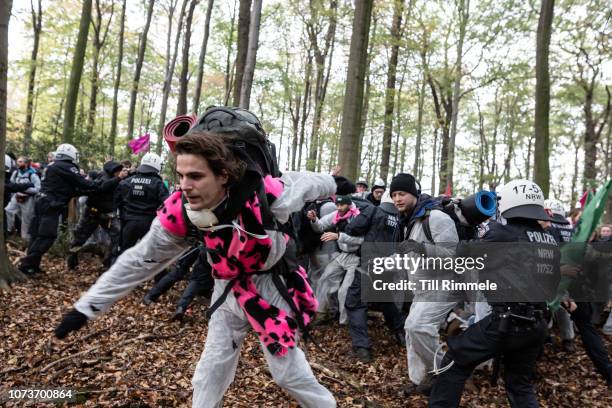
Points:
x=338, y=275
x=228, y=325
x=425, y=318
x=22, y=204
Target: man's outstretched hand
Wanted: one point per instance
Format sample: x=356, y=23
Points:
x=72, y=321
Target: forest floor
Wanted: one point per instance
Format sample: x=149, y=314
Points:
x=135, y=357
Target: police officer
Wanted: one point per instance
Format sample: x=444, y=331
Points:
x=61, y=182
x=99, y=212
x=372, y=196
x=378, y=190
x=377, y=228
x=137, y=199
x=361, y=186
x=514, y=332
x=562, y=230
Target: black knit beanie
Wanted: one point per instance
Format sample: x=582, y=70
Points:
x=404, y=182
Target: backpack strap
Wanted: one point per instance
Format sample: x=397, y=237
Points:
x=427, y=227
x=220, y=300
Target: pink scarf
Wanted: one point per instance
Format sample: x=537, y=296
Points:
x=352, y=212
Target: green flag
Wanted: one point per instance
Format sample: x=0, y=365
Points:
x=573, y=253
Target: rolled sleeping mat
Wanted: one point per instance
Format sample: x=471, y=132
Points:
x=479, y=206
x=177, y=128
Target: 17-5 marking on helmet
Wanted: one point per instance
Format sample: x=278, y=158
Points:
x=531, y=191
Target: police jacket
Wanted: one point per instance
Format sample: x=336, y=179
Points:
x=102, y=200
x=62, y=181
x=525, y=265
x=380, y=227
x=138, y=196
x=370, y=198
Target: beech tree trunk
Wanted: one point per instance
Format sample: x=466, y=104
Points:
x=170, y=64
x=251, y=60
x=322, y=75
x=36, y=28
x=75, y=73
x=99, y=38
x=541, y=168
x=244, y=21
x=114, y=109
x=8, y=273
x=353, y=98
x=464, y=12
x=139, y=61
x=396, y=27
x=184, y=77
x=198, y=87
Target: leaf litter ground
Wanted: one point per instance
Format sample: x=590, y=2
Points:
x=136, y=357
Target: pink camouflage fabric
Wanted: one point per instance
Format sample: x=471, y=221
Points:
x=238, y=256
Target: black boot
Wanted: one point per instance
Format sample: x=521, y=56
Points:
x=72, y=261
x=400, y=337
x=148, y=299
x=362, y=354
x=179, y=314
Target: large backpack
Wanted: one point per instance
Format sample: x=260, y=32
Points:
x=246, y=134
x=466, y=213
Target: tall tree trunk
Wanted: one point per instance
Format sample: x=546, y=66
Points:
x=464, y=12
x=198, y=86
x=139, y=61
x=181, y=108
x=541, y=170
x=99, y=38
x=434, y=156
x=528, y=160
x=244, y=20
x=396, y=28
x=592, y=132
x=229, y=77
x=75, y=73
x=419, y=129
x=608, y=154
x=114, y=109
x=305, y=107
x=36, y=28
x=322, y=75
x=353, y=98
x=574, y=192
x=295, y=119
x=170, y=64
x=8, y=273
x=251, y=59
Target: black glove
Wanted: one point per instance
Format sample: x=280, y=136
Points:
x=72, y=321
x=410, y=245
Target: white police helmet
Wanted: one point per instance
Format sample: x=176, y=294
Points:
x=522, y=199
x=379, y=183
x=152, y=160
x=556, y=207
x=66, y=151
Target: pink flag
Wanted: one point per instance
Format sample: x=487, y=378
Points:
x=141, y=144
